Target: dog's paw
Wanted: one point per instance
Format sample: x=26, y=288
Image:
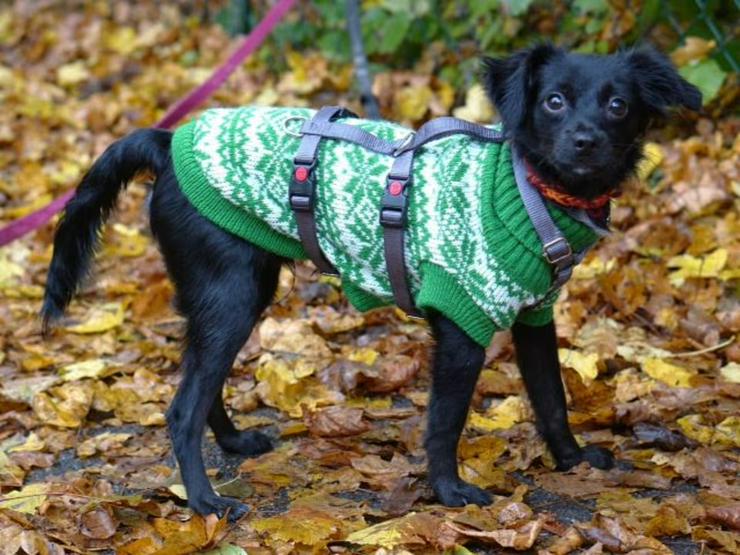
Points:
x=598, y=457
x=248, y=443
x=457, y=493
x=220, y=506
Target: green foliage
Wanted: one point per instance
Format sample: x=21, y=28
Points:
x=707, y=75
x=449, y=33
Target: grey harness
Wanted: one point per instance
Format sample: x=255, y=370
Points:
x=394, y=202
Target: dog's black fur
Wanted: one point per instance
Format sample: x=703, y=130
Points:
x=559, y=109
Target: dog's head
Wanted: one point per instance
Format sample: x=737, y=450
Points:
x=579, y=119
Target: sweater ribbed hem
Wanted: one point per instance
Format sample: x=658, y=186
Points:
x=538, y=317
x=441, y=292
x=207, y=200
x=362, y=300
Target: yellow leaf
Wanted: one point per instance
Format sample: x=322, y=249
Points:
x=300, y=524
x=93, y=368
x=500, y=417
x=71, y=74
x=292, y=388
x=482, y=472
x=65, y=406
x=477, y=106
x=728, y=432
x=652, y=156
x=692, y=425
x=26, y=500
x=37, y=202
x=101, y=443
x=10, y=473
x=127, y=242
x=10, y=272
x=670, y=374
x=101, y=319
x=121, y=40
x=693, y=49
x=413, y=102
x=365, y=355
x=37, y=362
x=32, y=443
x=593, y=267
x=383, y=534
x=292, y=336
x=585, y=365
x=697, y=267
x=731, y=372
x=179, y=491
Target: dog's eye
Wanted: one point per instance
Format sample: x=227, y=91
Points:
x=617, y=107
x=555, y=102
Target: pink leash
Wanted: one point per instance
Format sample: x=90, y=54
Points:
x=179, y=110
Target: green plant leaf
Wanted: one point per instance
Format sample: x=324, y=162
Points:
x=707, y=75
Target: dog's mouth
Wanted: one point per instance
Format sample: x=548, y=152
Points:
x=582, y=170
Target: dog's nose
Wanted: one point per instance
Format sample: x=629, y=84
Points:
x=584, y=142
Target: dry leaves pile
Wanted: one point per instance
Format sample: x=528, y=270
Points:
x=648, y=334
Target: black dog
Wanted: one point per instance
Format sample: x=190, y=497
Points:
x=577, y=119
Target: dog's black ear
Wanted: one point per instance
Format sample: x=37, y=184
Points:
x=659, y=84
x=508, y=81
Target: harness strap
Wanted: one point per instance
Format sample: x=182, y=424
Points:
x=351, y=133
x=393, y=218
x=555, y=247
x=442, y=127
x=302, y=189
x=394, y=204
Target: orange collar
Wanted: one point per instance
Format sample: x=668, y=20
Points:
x=558, y=195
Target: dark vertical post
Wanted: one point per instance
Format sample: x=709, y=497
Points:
x=362, y=71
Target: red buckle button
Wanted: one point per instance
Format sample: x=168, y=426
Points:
x=395, y=188
x=301, y=174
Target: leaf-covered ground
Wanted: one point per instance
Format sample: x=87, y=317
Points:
x=647, y=329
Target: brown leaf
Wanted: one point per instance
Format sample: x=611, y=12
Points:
x=519, y=538
x=402, y=497
x=729, y=516
x=394, y=372
x=336, y=422
x=98, y=524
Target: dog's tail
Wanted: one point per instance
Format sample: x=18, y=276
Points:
x=78, y=231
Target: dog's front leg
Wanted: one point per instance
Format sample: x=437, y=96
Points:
x=457, y=363
x=537, y=356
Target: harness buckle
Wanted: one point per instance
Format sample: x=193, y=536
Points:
x=302, y=188
x=394, y=204
x=556, y=251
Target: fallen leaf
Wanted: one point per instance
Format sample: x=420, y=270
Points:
x=585, y=365
x=697, y=267
x=98, y=524
x=25, y=500
x=477, y=106
x=336, y=422
x=669, y=374
x=100, y=319
x=93, y=368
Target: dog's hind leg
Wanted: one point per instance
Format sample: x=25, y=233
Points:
x=537, y=357
x=457, y=363
x=231, y=440
x=223, y=284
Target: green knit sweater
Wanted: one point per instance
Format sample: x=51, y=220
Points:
x=471, y=251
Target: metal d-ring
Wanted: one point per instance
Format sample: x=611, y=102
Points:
x=289, y=131
x=405, y=142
